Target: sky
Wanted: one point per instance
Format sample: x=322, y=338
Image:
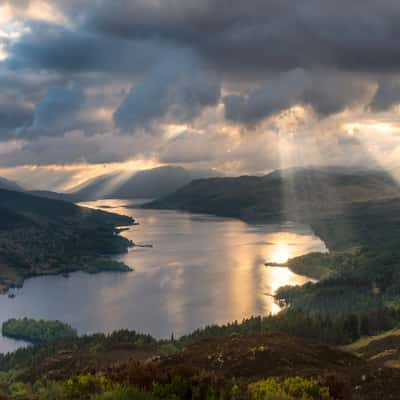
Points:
x=242, y=87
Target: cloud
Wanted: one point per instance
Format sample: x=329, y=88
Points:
x=325, y=94
x=275, y=96
x=274, y=34
x=192, y=147
x=76, y=147
x=12, y=116
x=18, y=97
x=59, y=109
x=387, y=94
x=177, y=90
x=67, y=50
x=44, y=10
x=105, y=81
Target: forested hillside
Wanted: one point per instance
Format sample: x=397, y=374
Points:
x=43, y=236
x=294, y=194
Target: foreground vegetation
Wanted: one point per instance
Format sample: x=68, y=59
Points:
x=342, y=329
x=127, y=365
x=258, y=358
x=35, y=331
x=91, y=387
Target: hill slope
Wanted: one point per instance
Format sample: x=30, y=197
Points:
x=216, y=365
x=42, y=236
x=294, y=194
x=9, y=185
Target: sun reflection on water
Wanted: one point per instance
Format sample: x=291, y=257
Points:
x=203, y=270
x=280, y=253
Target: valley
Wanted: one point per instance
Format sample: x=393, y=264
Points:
x=339, y=298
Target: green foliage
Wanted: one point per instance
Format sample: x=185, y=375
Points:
x=37, y=331
x=89, y=387
x=43, y=236
x=18, y=391
x=324, y=265
x=124, y=393
x=290, y=388
x=339, y=329
x=84, y=387
x=52, y=391
x=28, y=357
x=179, y=388
x=168, y=348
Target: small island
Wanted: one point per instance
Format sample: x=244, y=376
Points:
x=36, y=331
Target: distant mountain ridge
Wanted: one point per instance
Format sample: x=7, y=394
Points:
x=146, y=184
x=294, y=193
x=151, y=183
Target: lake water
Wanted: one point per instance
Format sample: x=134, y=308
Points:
x=200, y=270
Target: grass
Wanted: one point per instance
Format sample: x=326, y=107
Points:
x=366, y=340
x=393, y=364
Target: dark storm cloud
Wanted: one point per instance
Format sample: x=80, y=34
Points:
x=276, y=34
x=59, y=109
x=387, y=94
x=56, y=48
x=144, y=61
x=18, y=96
x=178, y=90
x=230, y=34
x=64, y=108
x=13, y=115
x=275, y=96
x=325, y=94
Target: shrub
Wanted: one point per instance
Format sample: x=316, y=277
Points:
x=52, y=391
x=124, y=393
x=290, y=388
x=85, y=386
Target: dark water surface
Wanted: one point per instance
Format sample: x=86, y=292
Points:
x=201, y=270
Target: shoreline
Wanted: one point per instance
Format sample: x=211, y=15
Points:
x=118, y=266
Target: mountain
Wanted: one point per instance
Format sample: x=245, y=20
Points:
x=293, y=193
x=48, y=194
x=9, y=185
x=44, y=236
x=151, y=183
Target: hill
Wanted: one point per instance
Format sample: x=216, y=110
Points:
x=232, y=367
x=356, y=214
x=9, y=185
x=44, y=236
x=48, y=194
x=294, y=194
x=151, y=183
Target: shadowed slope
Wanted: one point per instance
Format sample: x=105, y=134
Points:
x=44, y=236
